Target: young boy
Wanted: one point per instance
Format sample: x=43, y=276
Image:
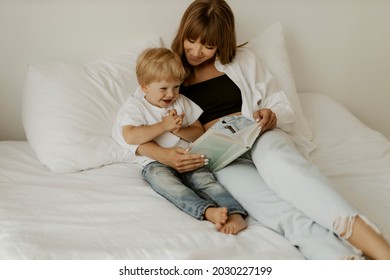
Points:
x=162, y=115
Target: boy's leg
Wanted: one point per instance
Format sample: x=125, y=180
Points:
x=205, y=185
x=165, y=181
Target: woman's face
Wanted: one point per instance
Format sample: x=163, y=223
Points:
x=196, y=53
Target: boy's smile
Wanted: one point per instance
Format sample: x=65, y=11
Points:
x=161, y=94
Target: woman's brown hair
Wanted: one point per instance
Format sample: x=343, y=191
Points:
x=212, y=21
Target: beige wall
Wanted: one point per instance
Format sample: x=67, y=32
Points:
x=337, y=47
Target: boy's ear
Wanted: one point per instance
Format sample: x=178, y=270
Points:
x=144, y=88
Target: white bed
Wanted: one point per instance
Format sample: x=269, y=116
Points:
x=111, y=213
x=70, y=192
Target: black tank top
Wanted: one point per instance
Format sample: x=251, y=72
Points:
x=217, y=97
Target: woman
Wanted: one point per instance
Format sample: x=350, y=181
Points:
x=225, y=80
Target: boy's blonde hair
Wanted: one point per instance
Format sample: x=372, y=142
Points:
x=157, y=64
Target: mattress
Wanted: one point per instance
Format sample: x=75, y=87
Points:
x=111, y=212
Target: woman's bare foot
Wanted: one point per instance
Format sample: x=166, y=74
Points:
x=234, y=225
x=217, y=215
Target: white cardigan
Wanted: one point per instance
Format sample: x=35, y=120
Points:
x=258, y=88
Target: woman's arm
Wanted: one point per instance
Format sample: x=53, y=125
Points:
x=176, y=157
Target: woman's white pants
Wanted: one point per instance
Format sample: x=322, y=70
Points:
x=286, y=193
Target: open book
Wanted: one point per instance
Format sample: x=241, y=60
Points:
x=221, y=149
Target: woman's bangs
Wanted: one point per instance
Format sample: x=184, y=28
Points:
x=206, y=33
x=210, y=37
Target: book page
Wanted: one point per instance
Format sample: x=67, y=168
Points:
x=221, y=149
x=214, y=146
x=248, y=135
x=233, y=152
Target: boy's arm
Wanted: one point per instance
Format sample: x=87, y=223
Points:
x=136, y=135
x=191, y=132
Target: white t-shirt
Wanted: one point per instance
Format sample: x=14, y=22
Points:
x=137, y=111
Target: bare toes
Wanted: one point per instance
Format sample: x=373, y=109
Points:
x=218, y=226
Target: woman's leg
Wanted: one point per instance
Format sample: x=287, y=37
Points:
x=242, y=180
x=296, y=180
x=364, y=237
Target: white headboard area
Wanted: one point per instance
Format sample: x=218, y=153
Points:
x=337, y=47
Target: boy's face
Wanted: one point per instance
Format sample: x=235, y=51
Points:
x=162, y=93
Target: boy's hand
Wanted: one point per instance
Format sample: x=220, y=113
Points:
x=179, y=122
x=172, y=122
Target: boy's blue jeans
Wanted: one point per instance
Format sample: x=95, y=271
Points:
x=193, y=192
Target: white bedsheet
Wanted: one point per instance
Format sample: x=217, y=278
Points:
x=108, y=213
x=111, y=213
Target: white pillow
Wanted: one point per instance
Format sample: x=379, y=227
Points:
x=69, y=109
x=270, y=48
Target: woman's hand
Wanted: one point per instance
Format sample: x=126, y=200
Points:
x=176, y=157
x=266, y=118
x=179, y=159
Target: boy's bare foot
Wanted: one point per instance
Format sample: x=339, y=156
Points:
x=217, y=215
x=234, y=225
